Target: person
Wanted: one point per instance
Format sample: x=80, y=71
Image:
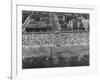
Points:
x=81, y=25
x=75, y=24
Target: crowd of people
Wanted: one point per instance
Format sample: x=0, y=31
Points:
x=64, y=39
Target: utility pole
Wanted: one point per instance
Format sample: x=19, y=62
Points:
x=51, y=26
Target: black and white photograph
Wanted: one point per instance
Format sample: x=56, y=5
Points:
x=55, y=39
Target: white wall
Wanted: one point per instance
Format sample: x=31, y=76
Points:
x=5, y=37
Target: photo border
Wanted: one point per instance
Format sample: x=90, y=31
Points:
x=13, y=76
